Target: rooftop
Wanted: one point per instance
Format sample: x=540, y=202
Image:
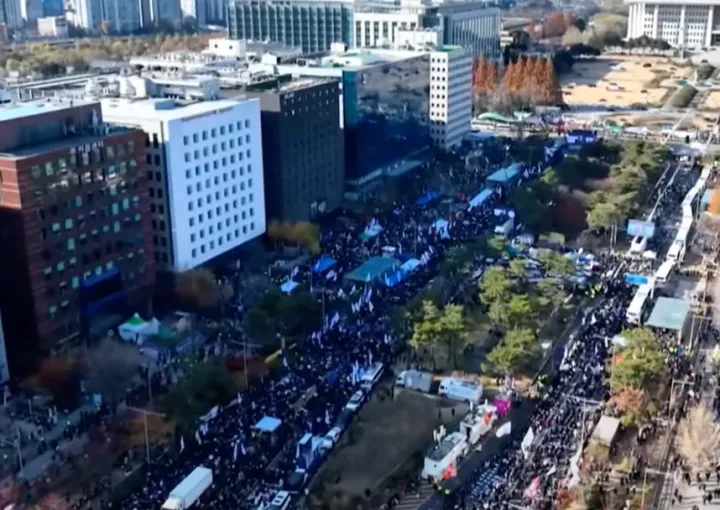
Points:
x=21, y=110
x=163, y=110
x=67, y=142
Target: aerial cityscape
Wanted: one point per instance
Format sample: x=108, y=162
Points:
x=359, y=255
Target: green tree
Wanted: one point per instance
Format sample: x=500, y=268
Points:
x=603, y=216
x=639, y=363
x=436, y=327
x=521, y=312
x=509, y=355
x=549, y=295
x=205, y=386
x=517, y=269
x=12, y=64
x=495, y=285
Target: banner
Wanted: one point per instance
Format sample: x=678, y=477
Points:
x=527, y=442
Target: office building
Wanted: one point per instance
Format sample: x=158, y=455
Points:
x=205, y=173
x=123, y=16
x=302, y=146
x=75, y=211
x=52, y=8
x=312, y=25
x=87, y=14
x=384, y=108
x=450, y=95
x=194, y=11
x=31, y=10
x=472, y=24
x=682, y=24
x=160, y=12
x=54, y=26
x=10, y=14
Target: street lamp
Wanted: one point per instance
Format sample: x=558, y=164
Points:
x=145, y=413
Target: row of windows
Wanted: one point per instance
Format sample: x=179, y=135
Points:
x=220, y=240
x=223, y=147
x=216, y=180
x=233, y=173
x=201, y=219
x=101, y=154
x=209, y=199
x=213, y=133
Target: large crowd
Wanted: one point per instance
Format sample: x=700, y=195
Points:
x=309, y=393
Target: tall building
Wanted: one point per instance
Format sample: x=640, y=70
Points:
x=52, y=8
x=54, y=26
x=205, y=173
x=450, y=95
x=681, y=24
x=31, y=10
x=302, y=146
x=312, y=25
x=10, y=14
x=384, y=109
x=88, y=14
x=159, y=12
x=194, y=11
x=471, y=24
x=74, y=207
x=123, y=16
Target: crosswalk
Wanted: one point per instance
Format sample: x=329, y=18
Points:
x=415, y=501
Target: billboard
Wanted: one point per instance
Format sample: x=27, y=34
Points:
x=641, y=228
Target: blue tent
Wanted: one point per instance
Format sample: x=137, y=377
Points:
x=507, y=175
x=427, y=198
x=323, y=264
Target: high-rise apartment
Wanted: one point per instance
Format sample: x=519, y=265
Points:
x=312, y=25
x=302, y=146
x=10, y=14
x=205, y=174
x=74, y=208
x=53, y=8
x=450, y=95
x=31, y=10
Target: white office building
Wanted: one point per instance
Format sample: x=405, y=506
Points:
x=205, y=174
x=450, y=95
x=470, y=24
x=688, y=24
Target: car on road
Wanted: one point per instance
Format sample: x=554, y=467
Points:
x=356, y=401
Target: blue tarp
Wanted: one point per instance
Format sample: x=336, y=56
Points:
x=427, y=198
x=506, y=175
x=480, y=198
x=268, y=424
x=323, y=264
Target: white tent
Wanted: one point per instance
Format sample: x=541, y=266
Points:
x=132, y=328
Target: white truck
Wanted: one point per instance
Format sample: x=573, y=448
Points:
x=458, y=389
x=189, y=490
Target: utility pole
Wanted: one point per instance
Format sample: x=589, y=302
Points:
x=145, y=413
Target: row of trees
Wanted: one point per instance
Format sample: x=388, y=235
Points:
x=530, y=81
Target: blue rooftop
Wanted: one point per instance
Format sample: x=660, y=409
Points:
x=21, y=110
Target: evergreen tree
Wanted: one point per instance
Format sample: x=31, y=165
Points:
x=552, y=92
x=491, y=76
x=508, y=77
x=479, y=74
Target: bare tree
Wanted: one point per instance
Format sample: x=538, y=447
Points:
x=699, y=438
x=109, y=368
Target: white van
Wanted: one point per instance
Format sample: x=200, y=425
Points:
x=638, y=246
x=664, y=273
x=372, y=376
x=463, y=391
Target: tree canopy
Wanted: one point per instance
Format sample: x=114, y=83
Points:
x=440, y=327
x=639, y=363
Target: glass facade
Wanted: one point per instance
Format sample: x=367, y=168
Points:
x=385, y=114
x=310, y=25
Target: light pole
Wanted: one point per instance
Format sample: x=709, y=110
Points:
x=145, y=413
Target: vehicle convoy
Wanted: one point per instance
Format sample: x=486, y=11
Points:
x=460, y=390
x=189, y=490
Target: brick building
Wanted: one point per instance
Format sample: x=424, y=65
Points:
x=74, y=221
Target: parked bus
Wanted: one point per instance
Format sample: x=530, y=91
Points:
x=663, y=274
x=638, y=304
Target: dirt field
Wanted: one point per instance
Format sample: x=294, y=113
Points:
x=712, y=101
x=622, y=81
x=690, y=122
x=381, y=443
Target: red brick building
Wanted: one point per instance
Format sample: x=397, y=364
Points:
x=74, y=226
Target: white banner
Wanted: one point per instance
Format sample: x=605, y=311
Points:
x=527, y=442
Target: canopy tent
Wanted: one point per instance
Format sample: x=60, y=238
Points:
x=480, y=198
x=323, y=264
x=606, y=430
x=669, y=313
x=136, y=329
x=506, y=175
x=372, y=269
x=268, y=424
x=410, y=265
x=427, y=198
x=288, y=286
